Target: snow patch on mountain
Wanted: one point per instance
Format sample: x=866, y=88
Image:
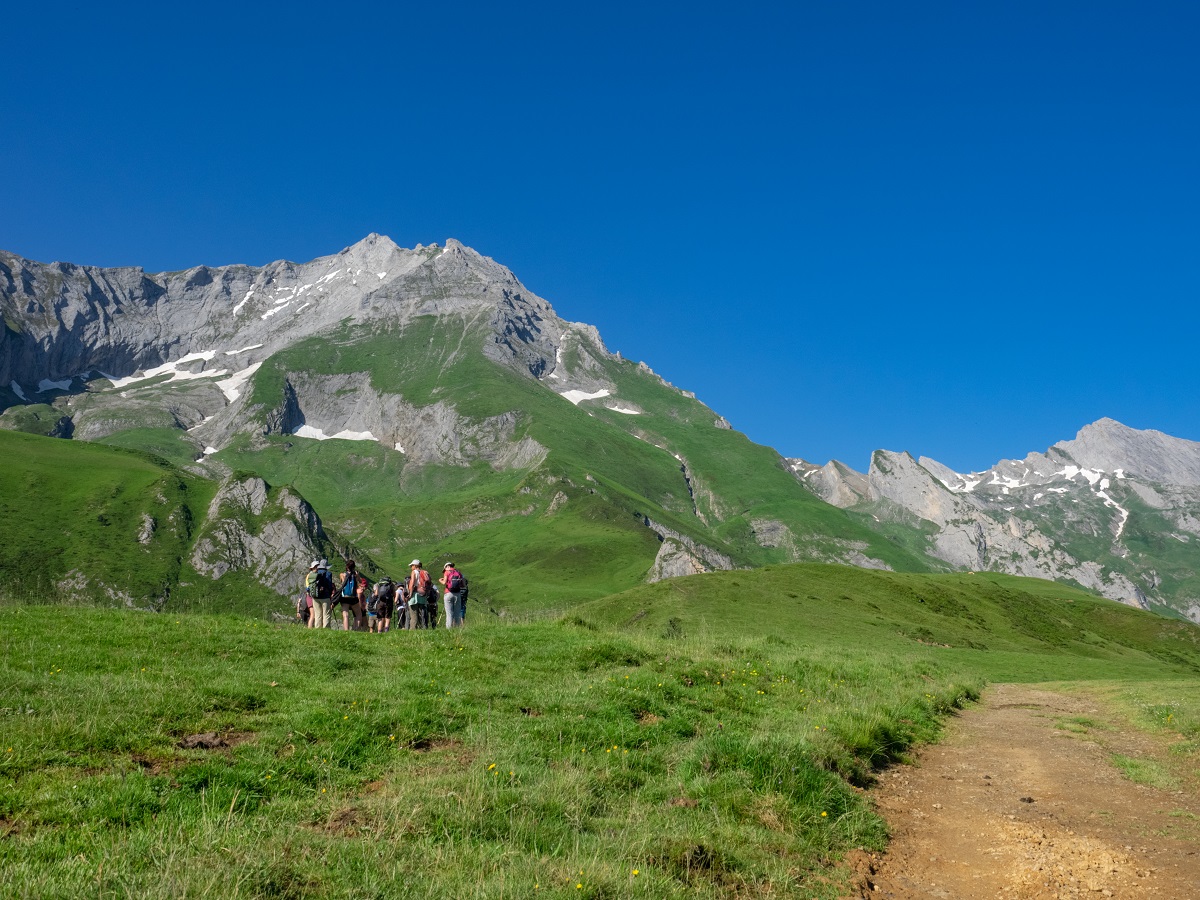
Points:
x=577, y=396
x=308, y=431
x=232, y=386
x=172, y=369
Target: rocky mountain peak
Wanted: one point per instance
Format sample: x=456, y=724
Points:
x=1108, y=446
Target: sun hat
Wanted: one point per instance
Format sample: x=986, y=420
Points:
x=415, y=562
x=314, y=564
x=447, y=566
x=324, y=563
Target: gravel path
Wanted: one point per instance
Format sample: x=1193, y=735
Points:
x=1022, y=800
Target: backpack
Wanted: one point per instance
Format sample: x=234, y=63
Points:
x=424, y=585
x=385, y=590
x=349, y=588
x=456, y=583
x=322, y=585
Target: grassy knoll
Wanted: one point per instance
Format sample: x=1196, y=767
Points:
x=1000, y=627
x=78, y=515
x=705, y=737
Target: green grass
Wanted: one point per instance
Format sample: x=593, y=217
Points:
x=480, y=763
x=168, y=443
x=35, y=418
x=1004, y=627
x=1145, y=771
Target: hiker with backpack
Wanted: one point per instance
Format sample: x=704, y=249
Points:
x=318, y=588
x=381, y=606
x=431, y=605
x=455, y=594
x=419, y=587
x=350, y=596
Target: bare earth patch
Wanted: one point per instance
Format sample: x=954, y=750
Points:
x=1011, y=806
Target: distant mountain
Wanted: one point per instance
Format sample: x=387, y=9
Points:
x=425, y=403
x=1116, y=510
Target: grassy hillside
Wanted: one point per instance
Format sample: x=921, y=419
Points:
x=997, y=626
x=83, y=518
x=570, y=528
x=705, y=742
x=91, y=523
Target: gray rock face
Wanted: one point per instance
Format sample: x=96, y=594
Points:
x=833, y=482
x=679, y=555
x=1150, y=456
x=1066, y=514
x=273, y=538
x=337, y=404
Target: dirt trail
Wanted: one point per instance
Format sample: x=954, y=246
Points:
x=1011, y=806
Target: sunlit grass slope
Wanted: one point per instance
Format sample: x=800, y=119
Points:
x=700, y=738
x=1000, y=626
x=73, y=509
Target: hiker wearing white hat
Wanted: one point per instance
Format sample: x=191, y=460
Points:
x=419, y=586
x=454, y=594
x=318, y=589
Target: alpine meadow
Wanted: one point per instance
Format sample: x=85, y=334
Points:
x=686, y=659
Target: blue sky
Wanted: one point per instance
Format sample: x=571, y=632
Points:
x=964, y=230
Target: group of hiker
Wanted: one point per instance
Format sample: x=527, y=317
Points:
x=410, y=604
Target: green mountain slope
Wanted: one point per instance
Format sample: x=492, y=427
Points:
x=87, y=523
x=94, y=522
x=580, y=520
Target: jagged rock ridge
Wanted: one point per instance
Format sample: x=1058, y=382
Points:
x=1065, y=514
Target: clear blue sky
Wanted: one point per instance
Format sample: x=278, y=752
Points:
x=961, y=229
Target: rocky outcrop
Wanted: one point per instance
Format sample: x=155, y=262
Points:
x=1150, y=456
x=324, y=406
x=679, y=555
x=834, y=482
x=271, y=535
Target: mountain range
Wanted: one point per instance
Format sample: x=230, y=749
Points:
x=393, y=403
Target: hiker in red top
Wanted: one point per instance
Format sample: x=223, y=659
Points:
x=454, y=594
